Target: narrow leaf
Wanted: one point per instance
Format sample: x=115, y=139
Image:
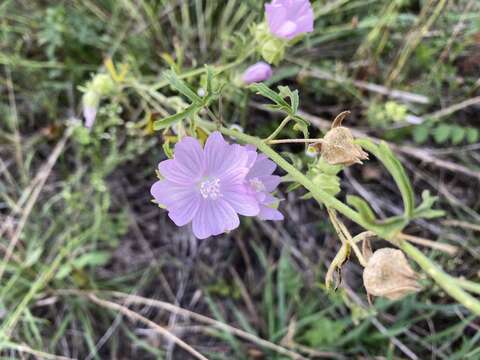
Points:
x=173, y=119
x=181, y=86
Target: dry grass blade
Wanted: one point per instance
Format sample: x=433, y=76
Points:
x=446, y=248
x=35, y=353
x=137, y=317
x=135, y=299
x=41, y=178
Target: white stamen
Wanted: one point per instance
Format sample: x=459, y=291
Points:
x=210, y=188
x=257, y=184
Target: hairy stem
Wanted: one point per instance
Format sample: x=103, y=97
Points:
x=278, y=129
x=447, y=282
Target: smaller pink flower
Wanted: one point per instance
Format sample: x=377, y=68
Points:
x=258, y=72
x=261, y=182
x=289, y=18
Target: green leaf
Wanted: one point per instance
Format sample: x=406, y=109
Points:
x=421, y=133
x=441, y=133
x=172, y=119
x=425, y=209
x=322, y=332
x=209, y=80
x=97, y=258
x=182, y=87
x=383, y=153
x=293, y=95
x=362, y=207
x=390, y=227
x=458, y=134
x=472, y=135
x=265, y=91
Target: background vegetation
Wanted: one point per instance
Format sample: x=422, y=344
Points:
x=76, y=213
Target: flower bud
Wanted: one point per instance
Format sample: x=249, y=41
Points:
x=258, y=72
x=338, y=147
x=102, y=84
x=90, y=102
x=288, y=19
x=389, y=275
x=273, y=51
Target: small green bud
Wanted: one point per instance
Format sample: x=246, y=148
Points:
x=328, y=183
x=395, y=111
x=102, y=84
x=270, y=47
x=90, y=99
x=273, y=51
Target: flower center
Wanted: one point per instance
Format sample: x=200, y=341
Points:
x=257, y=184
x=288, y=28
x=210, y=188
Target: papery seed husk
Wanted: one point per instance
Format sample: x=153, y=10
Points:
x=388, y=274
x=338, y=148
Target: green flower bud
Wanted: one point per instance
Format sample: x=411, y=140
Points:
x=273, y=51
x=102, y=84
x=270, y=47
x=90, y=99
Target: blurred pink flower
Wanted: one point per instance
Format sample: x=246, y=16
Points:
x=207, y=186
x=258, y=72
x=289, y=18
x=262, y=183
x=89, y=113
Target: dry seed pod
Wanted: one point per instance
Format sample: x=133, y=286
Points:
x=338, y=147
x=388, y=274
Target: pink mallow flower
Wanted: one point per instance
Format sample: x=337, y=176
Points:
x=258, y=72
x=289, y=18
x=207, y=186
x=262, y=183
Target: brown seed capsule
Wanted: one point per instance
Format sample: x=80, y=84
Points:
x=389, y=275
x=338, y=147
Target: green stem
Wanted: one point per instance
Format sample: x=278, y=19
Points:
x=279, y=129
x=469, y=285
x=202, y=70
x=447, y=282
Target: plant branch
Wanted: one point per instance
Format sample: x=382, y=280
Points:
x=447, y=282
x=278, y=129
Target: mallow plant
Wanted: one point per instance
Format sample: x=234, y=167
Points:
x=216, y=171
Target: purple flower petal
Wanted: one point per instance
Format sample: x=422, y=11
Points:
x=261, y=183
x=189, y=153
x=183, y=212
x=263, y=166
x=221, y=157
x=242, y=201
x=89, y=113
x=177, y=172
x=258, y=72
x=170, y=194
x=268, y=213
x=213, y=218
x=289, y=18
x=270, y=182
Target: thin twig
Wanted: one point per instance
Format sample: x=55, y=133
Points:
x=447, y=248
x=462, y=224
x=294, y=141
